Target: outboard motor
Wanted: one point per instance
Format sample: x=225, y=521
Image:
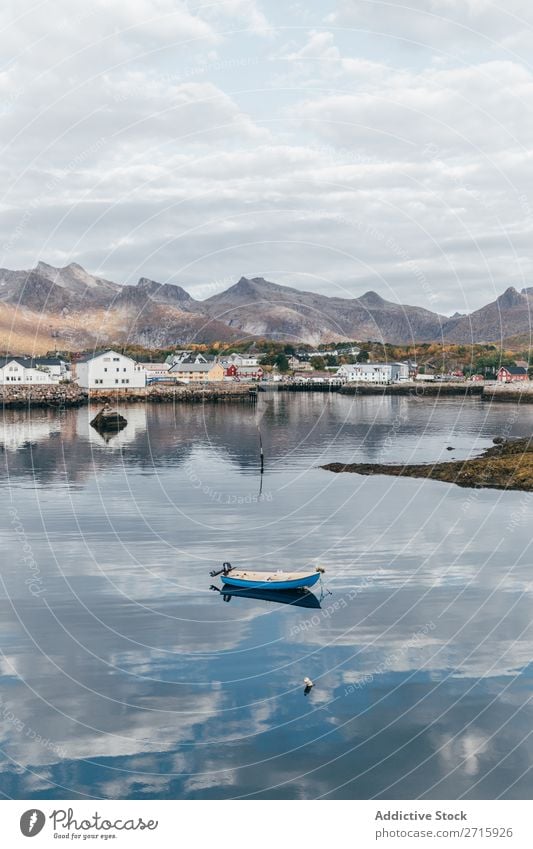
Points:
x=226, y=569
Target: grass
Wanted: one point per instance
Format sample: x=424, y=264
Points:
x=505, y=466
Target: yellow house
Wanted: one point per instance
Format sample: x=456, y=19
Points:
x=198, y=372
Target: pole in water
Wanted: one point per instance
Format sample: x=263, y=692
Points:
x=261, y=455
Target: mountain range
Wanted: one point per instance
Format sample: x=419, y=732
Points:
x=69, y=308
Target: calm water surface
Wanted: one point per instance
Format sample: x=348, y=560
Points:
x=123, y=675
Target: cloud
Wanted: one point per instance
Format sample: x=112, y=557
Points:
x=320, y=45
x=247, y=11
x=395, y=114
x=444, y=26
x=177, y=142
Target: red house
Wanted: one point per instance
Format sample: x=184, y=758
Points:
x=244, y=372
x=508, y=374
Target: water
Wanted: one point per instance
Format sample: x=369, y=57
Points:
x=125, y=676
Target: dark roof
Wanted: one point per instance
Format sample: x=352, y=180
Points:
x=515, y=369
x=95, y=354
x=28, y=362
x=48, y=361
x=25, y=362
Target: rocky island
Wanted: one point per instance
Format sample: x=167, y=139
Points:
x=506, y=465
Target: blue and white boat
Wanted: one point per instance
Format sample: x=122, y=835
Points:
x=248, y=579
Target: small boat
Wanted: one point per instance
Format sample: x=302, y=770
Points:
x=272, y=581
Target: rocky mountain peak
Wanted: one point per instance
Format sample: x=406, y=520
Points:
x=244, y=288
x=164, y=292
x=42, y=267
x=372, y=299
x=146, y=283
x=245, y=284
x=73, y=277
x=257, y=287
x=511, y=298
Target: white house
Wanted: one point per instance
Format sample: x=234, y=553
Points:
x=374, y=372
x=57, y=368
x=22, y=370
x=178, y=357
x=189, y=357
x=156, y=371
x=334, y=353
x=109, y=370
x=238, y=360
x=299, y=365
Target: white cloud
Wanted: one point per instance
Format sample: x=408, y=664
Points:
x=320, y=45
x=247, y=11
x=161, y=139
x=477, y=109
x=445, y=26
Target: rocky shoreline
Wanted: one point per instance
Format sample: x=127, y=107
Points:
x=521, y=393
x=69, y=395
x=416, y=389
x=507, y=465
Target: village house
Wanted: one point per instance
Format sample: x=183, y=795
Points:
x=236, y=372
x=239, y=360
x=510, y=374
x=317, y=377
x=299, y=365
x=190, y=357
x=413, y=369
x=109, y=370
x=323, y=377
x=177, y=357
x=374, y=373
x=321, y=354
x=155, y=371
x=198, y=357
x=197, y=372
x=23, y=370
x=57, y=368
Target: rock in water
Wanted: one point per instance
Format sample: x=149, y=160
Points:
x=108, y=420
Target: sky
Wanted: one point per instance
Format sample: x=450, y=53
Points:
x=337, y=146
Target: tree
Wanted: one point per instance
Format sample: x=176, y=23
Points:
x=490, y=363
x=318, y=363
x=281, y=361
